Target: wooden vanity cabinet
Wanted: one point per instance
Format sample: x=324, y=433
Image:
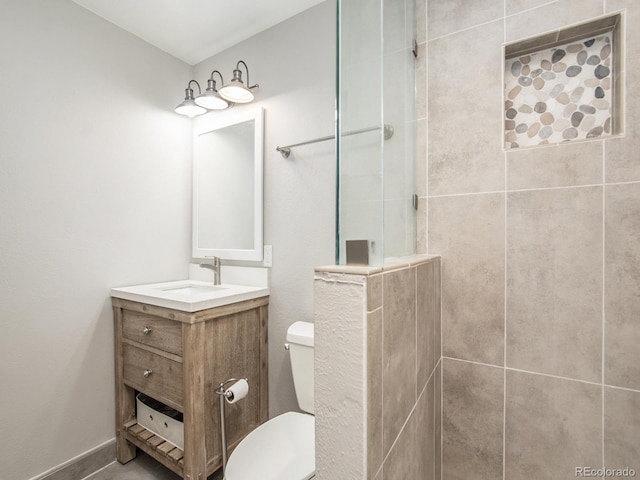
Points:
x=180, y=358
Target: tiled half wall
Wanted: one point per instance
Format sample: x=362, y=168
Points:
x=377, y=380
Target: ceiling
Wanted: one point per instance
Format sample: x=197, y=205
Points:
x=193, y=30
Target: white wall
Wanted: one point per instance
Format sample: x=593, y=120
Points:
x=95, y=192
x=294, y=63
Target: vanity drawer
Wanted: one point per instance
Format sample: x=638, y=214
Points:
x=157, y=332
x=153, y=375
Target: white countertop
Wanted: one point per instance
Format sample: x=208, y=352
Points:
x=189, y=295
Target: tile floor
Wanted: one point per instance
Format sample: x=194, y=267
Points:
x=143, y=467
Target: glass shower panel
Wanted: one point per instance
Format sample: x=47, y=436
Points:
x=399, y=27
x=360, y=187
x=376, y=87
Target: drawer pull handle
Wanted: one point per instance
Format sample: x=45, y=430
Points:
x=146, y=330
x=147, y=373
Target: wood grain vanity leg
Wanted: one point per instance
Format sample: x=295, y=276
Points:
x=195, y=452
x=125, y=397
x=263, y=318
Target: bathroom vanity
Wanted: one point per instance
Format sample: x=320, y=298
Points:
x=176, y=342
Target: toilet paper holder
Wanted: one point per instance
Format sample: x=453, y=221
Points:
x=227, y=395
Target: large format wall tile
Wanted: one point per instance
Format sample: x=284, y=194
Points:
x=554, y=282
x=428, y=318
x=623, y=162
x=621, y=429
x=632, y=40
x=451, y=16
x=555, y=166
x=465, y=114
x=374, y=391
x=552, y=426
x=622, y=159
x=622, y=286
x=402, y=464
x=399, y=351
x=468, y=231
x=551, y=16
x=472, y=419
x=425, y=433
x=517, y=6
x=438, y=419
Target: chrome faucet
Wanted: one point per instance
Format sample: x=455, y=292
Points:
x=215, y=266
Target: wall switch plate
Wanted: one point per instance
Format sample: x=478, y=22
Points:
x=268, y=256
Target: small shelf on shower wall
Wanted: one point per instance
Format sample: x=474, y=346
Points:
x=564, y=85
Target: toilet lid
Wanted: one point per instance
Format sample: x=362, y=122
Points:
x=281, y=449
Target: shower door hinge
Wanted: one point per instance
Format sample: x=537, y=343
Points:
x=415, y=48
x=415, y=201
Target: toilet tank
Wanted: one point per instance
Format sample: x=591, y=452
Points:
x=300, y=339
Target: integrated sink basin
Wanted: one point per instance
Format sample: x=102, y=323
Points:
x=194, y=289
x=189, y=295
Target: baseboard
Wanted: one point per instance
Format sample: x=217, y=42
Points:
x=83, y=465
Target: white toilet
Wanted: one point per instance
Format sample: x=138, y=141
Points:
x=284, y=447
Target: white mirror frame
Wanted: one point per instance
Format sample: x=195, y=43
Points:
x=215, y=121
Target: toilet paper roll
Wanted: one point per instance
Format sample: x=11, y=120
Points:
x=237, y=391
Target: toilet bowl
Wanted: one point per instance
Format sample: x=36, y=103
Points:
x=284, y=447
x=281, y=449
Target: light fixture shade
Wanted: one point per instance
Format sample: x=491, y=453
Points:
x=236, y=92
x=190, y=109
x=211, y=99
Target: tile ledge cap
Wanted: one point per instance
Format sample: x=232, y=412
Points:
x=389, y=264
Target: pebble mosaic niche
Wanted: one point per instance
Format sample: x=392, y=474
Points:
x=560, y=94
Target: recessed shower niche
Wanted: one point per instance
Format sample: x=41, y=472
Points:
x=565, y=85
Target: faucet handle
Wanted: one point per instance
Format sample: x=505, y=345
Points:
x=215, y=266
x=215, y=262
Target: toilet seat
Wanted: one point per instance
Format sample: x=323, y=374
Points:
x=281, y=449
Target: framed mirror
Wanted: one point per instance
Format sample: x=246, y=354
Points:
x=227, y=185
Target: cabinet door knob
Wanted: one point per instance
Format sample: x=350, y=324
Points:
x=146, y=330
x=147, y=373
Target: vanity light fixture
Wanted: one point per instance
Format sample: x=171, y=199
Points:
x=235, y=91
x=189, y=106
x=211, y=99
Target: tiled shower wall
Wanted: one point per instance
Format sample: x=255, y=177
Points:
x=540, y=255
